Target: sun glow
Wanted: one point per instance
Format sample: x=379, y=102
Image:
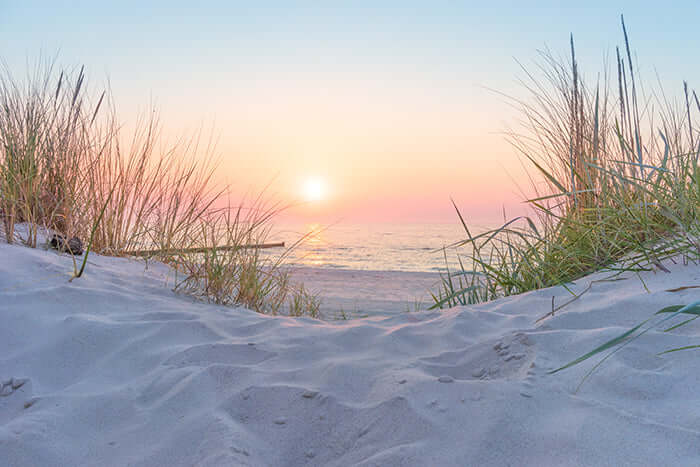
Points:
x=314, y=189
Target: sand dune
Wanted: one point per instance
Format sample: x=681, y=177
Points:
x=114, y=369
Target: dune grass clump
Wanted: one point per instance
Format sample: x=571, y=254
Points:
x=67, y=166
x=45, y=138
x=617, y=185
x=221, y=266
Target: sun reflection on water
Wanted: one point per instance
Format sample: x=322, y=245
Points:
x=314, y=234
x=316, y=245
x=380, y=247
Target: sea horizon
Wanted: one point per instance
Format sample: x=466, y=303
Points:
x=374, y=246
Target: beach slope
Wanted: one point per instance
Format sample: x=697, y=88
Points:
x=115, y=369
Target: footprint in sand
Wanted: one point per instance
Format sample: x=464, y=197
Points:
x=9, y=386
x=510, y=357
x=311, y=428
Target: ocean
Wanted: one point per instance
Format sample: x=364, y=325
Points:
x=371, y=269
x=375, y=247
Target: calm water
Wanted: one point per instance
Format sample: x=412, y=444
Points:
x=371, y=269
x=374, y=247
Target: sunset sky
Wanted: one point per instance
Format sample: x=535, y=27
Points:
x=369, y=113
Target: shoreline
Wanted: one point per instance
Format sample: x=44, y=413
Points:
x=357, y=292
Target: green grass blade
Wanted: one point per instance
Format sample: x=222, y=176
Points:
x=683, y=323
x=687, y=347
x=451, y=296
x=609, y=344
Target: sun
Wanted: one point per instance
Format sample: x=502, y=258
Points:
x=314, y=189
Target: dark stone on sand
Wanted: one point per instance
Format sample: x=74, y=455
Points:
x=73, y=246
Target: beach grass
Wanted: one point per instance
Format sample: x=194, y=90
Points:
x=68, y=166
x=615, y=178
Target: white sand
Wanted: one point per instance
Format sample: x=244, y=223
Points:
x=121, y=371
x=359, y=293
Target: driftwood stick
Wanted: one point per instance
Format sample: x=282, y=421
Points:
x=203, y=249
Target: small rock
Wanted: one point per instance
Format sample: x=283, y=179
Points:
x=31, y=402
x=309, y=394
x=280, y=421
x=310, y=454
x=446, y=379
x=515, y=356
x=6, y=391
x=73, y=245
x=525, y=394
x=478, y=373
x=403, y=381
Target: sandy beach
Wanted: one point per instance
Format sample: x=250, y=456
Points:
x=115, y=369
x=353, y=293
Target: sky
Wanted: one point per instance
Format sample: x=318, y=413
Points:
x=358, y=111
